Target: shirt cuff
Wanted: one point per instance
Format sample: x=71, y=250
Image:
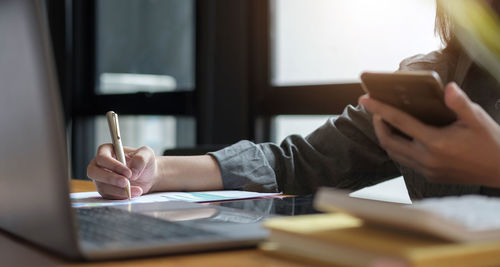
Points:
x=244, y=166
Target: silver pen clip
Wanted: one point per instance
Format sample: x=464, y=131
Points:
x=116, y=127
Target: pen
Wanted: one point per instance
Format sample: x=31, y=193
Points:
x=114, y=129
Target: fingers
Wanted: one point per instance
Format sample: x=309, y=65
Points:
x=105, y=159
x=107, y=170
x=407, y=153
x=460, y=103
x=99, y=174
x=399, y=119
x=110, y=175
x=112, y=192
x=394, y=144
x=139, y=160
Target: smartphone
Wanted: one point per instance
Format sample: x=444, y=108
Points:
x=418, y=93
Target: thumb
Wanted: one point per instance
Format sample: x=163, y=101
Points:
x=459, y=102
x=138, y=161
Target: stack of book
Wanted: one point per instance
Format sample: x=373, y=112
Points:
x=342, y=239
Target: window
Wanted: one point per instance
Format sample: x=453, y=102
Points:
x=333, y=41
x=136, y=57
x=145, y=46
x=157, y=132
x=285, y=125
x=217, y=71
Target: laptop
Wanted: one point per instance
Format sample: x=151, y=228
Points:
x=34, y=176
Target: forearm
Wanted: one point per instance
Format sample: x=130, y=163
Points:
x=191, y=173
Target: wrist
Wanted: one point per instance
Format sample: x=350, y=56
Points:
x=187, y=173
x=158, y=175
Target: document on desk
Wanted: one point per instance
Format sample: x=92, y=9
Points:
x=93, y=199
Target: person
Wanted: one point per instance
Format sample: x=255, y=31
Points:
x=355, y=150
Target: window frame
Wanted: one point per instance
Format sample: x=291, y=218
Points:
x=233, y=98
x=271, y=100
x=221, y=112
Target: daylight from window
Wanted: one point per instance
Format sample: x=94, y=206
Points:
x=333, y=41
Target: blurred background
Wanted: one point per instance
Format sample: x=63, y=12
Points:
x=186, y=74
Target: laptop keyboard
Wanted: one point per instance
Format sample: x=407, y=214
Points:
x=111, y=225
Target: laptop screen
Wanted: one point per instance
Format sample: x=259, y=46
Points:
x=34, y=199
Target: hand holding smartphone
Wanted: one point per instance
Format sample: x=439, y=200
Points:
x=418, y=93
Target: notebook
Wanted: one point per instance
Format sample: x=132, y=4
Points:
x=466, y=218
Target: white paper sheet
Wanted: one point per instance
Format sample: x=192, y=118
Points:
x=93, y=199
x=393, y=190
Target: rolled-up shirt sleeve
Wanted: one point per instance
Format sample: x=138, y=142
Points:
x=343, y=153
x=245, y=166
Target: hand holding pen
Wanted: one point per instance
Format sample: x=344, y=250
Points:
x=112, y=174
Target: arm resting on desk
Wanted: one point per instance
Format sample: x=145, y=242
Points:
x=148, y=173
x=188, y=173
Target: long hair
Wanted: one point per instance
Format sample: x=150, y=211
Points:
x=444, y=29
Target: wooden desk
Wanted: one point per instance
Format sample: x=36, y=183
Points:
x=15, y=252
